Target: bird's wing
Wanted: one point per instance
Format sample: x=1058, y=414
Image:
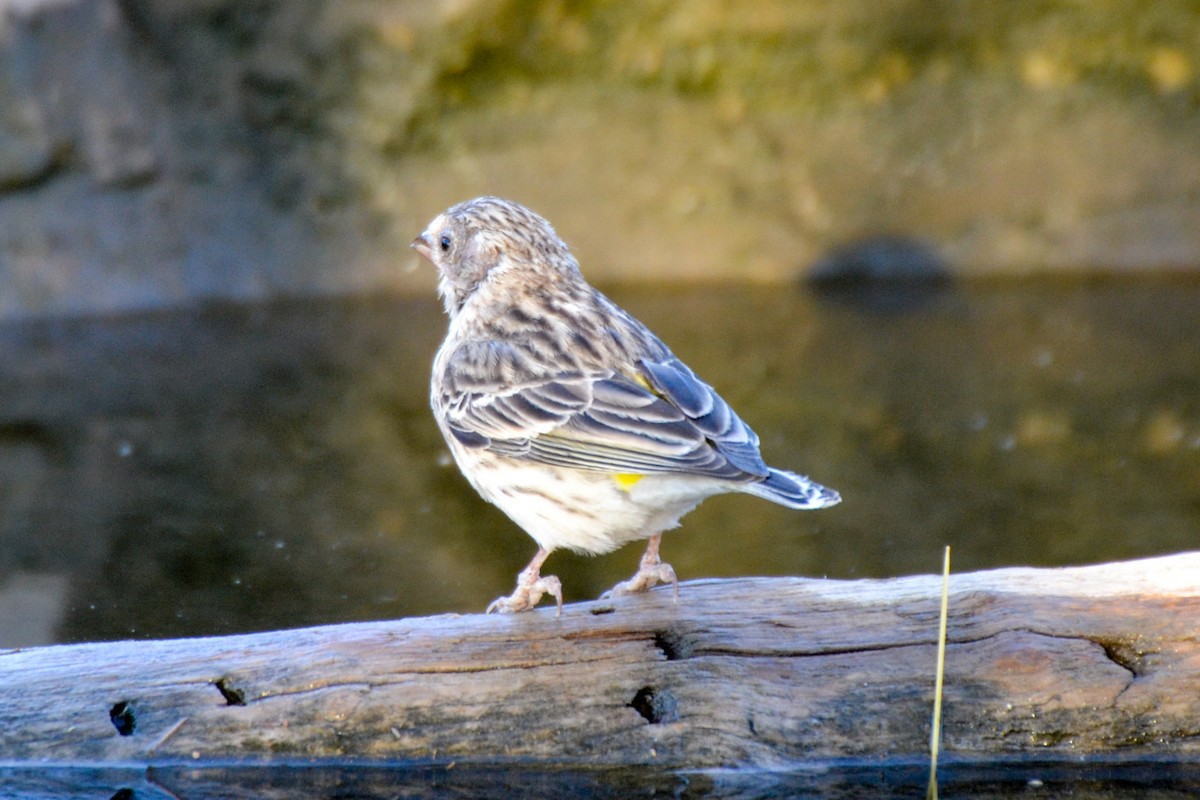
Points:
x=662, y=418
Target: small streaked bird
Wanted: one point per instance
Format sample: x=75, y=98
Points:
x=569, y=414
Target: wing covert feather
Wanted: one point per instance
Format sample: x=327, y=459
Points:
x=608, y=422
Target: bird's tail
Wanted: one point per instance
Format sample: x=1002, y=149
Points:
x=792, y=490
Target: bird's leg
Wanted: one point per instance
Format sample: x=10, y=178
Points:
x=652, y=570
x=531, y=585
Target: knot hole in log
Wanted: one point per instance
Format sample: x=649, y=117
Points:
x=232, y=694
x=122, y=717
x=657, y=706
x=675, y=645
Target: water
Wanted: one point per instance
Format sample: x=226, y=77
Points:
x=1150, y=781
x=242, y=468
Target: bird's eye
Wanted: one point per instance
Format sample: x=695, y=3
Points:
x=445, y=242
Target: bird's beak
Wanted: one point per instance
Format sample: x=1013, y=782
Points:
x=423, y=246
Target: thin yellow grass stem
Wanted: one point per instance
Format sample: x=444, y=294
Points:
x=935, y=735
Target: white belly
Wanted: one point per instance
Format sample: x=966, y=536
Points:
x=588, y=512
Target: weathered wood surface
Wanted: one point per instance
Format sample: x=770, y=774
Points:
x=1099, y=661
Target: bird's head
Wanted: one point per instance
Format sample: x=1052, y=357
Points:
x=476, y=242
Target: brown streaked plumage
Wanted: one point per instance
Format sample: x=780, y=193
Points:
x=565, y=411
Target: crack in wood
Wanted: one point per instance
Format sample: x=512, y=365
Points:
x=171, y=731
x=1125, y=656
x=1118, y=653
x=470, y=669
x=732, y=652
x=290, y=694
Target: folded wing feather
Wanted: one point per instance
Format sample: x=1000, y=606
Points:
x=610, y=422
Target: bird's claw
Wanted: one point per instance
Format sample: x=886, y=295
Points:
x=647, y=576
x=527, y=595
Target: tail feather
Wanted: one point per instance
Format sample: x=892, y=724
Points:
x=792, y=490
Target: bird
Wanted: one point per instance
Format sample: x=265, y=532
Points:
x=566, y=412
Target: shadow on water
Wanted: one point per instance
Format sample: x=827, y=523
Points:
x=243, y=468
x=886, y=274
x=1151, y=780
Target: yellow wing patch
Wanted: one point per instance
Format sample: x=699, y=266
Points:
x=626, y=480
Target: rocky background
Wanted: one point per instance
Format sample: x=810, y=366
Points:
x=157, y=152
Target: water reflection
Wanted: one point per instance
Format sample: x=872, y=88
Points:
x=1149, y=780
x=235, y=469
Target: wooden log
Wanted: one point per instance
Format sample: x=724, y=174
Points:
x=1096, y=661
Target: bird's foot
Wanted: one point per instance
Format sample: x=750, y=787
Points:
x=650, y=573
x=530, y=589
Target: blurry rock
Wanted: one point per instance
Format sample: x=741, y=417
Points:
x=881, y=273
x=118, y=190
x=70, y=84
